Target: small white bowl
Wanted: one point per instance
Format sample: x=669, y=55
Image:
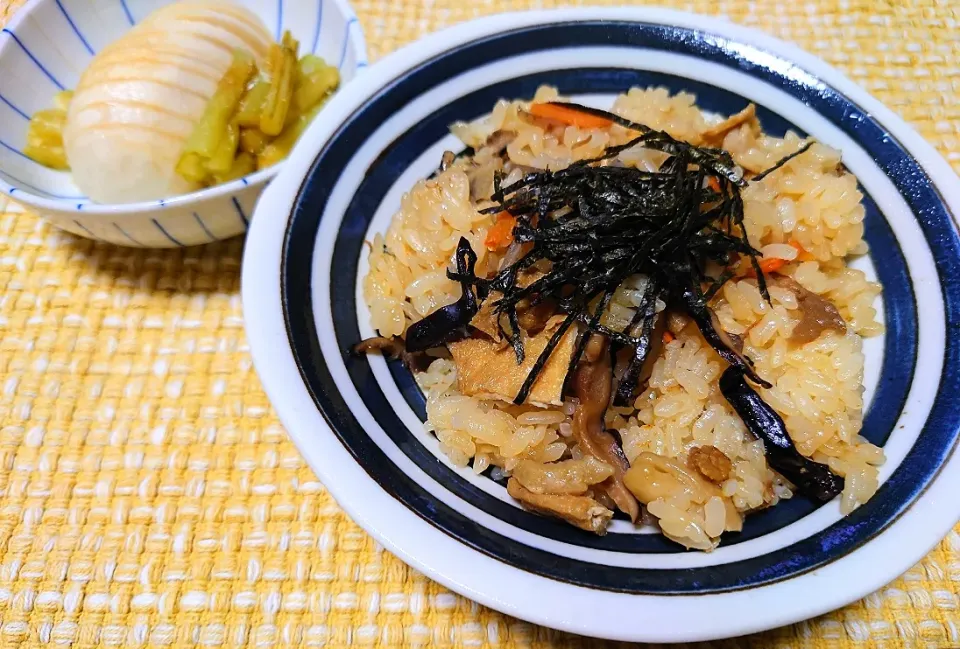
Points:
x=45, y=49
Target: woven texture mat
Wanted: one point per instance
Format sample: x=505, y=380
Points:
x=150, y=497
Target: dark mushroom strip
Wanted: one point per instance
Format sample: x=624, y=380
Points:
x=812, y=479
x=499, y=140
x=735, y=342
x=646, y=316
x=625, y=354
x=446, y=160
x=393, y=348
x=714, y=334
x=581, y=511
x=444, y=325
x=592, y=386
x=450, y=322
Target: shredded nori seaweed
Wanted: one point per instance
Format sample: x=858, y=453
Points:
x=599, y=223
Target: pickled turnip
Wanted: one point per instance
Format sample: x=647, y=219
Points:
x=141, y=98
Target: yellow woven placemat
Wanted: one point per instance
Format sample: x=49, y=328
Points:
x=150, y=498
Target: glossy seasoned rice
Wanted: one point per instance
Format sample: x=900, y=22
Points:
x=808, y=213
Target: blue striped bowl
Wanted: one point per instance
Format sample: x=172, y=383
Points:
x=46, y=47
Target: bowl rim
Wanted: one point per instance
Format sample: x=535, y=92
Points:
x=358, y=45
x=478, y=576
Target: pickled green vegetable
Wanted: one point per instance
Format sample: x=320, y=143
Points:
x=45, y=138
x=315, y=80
x=215, y=122
x=282, y=63
x=251, y=106
x=244, y=164
x=222, y=159
x=252, y=140
x=281, y=147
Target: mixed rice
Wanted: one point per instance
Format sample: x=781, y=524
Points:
x=693, y=464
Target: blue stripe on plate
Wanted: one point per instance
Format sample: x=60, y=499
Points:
x=40, y=65
x=346, y=41
x=126, y=234
x=126, y=11
x=316, y=28
x=166, y=234
x=936, y=440
x=14, y=108
x=203, y=226
x=74, y=26
x=87, y=230
x=243, y=216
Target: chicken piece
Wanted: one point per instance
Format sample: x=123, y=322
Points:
x=592, y=386
x=711, y=463
x=747, y=114
x=489, y=370
x=581, y=511
x=817, y=314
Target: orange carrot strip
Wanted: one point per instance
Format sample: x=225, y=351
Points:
x=714, y=184
x=668, y=337
x=501, y=234
x=569, y=116
x=802, y=254
x=772, y=265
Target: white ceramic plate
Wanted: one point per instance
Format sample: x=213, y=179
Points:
x=357, y=421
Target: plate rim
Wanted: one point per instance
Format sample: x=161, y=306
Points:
x=408, y=536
